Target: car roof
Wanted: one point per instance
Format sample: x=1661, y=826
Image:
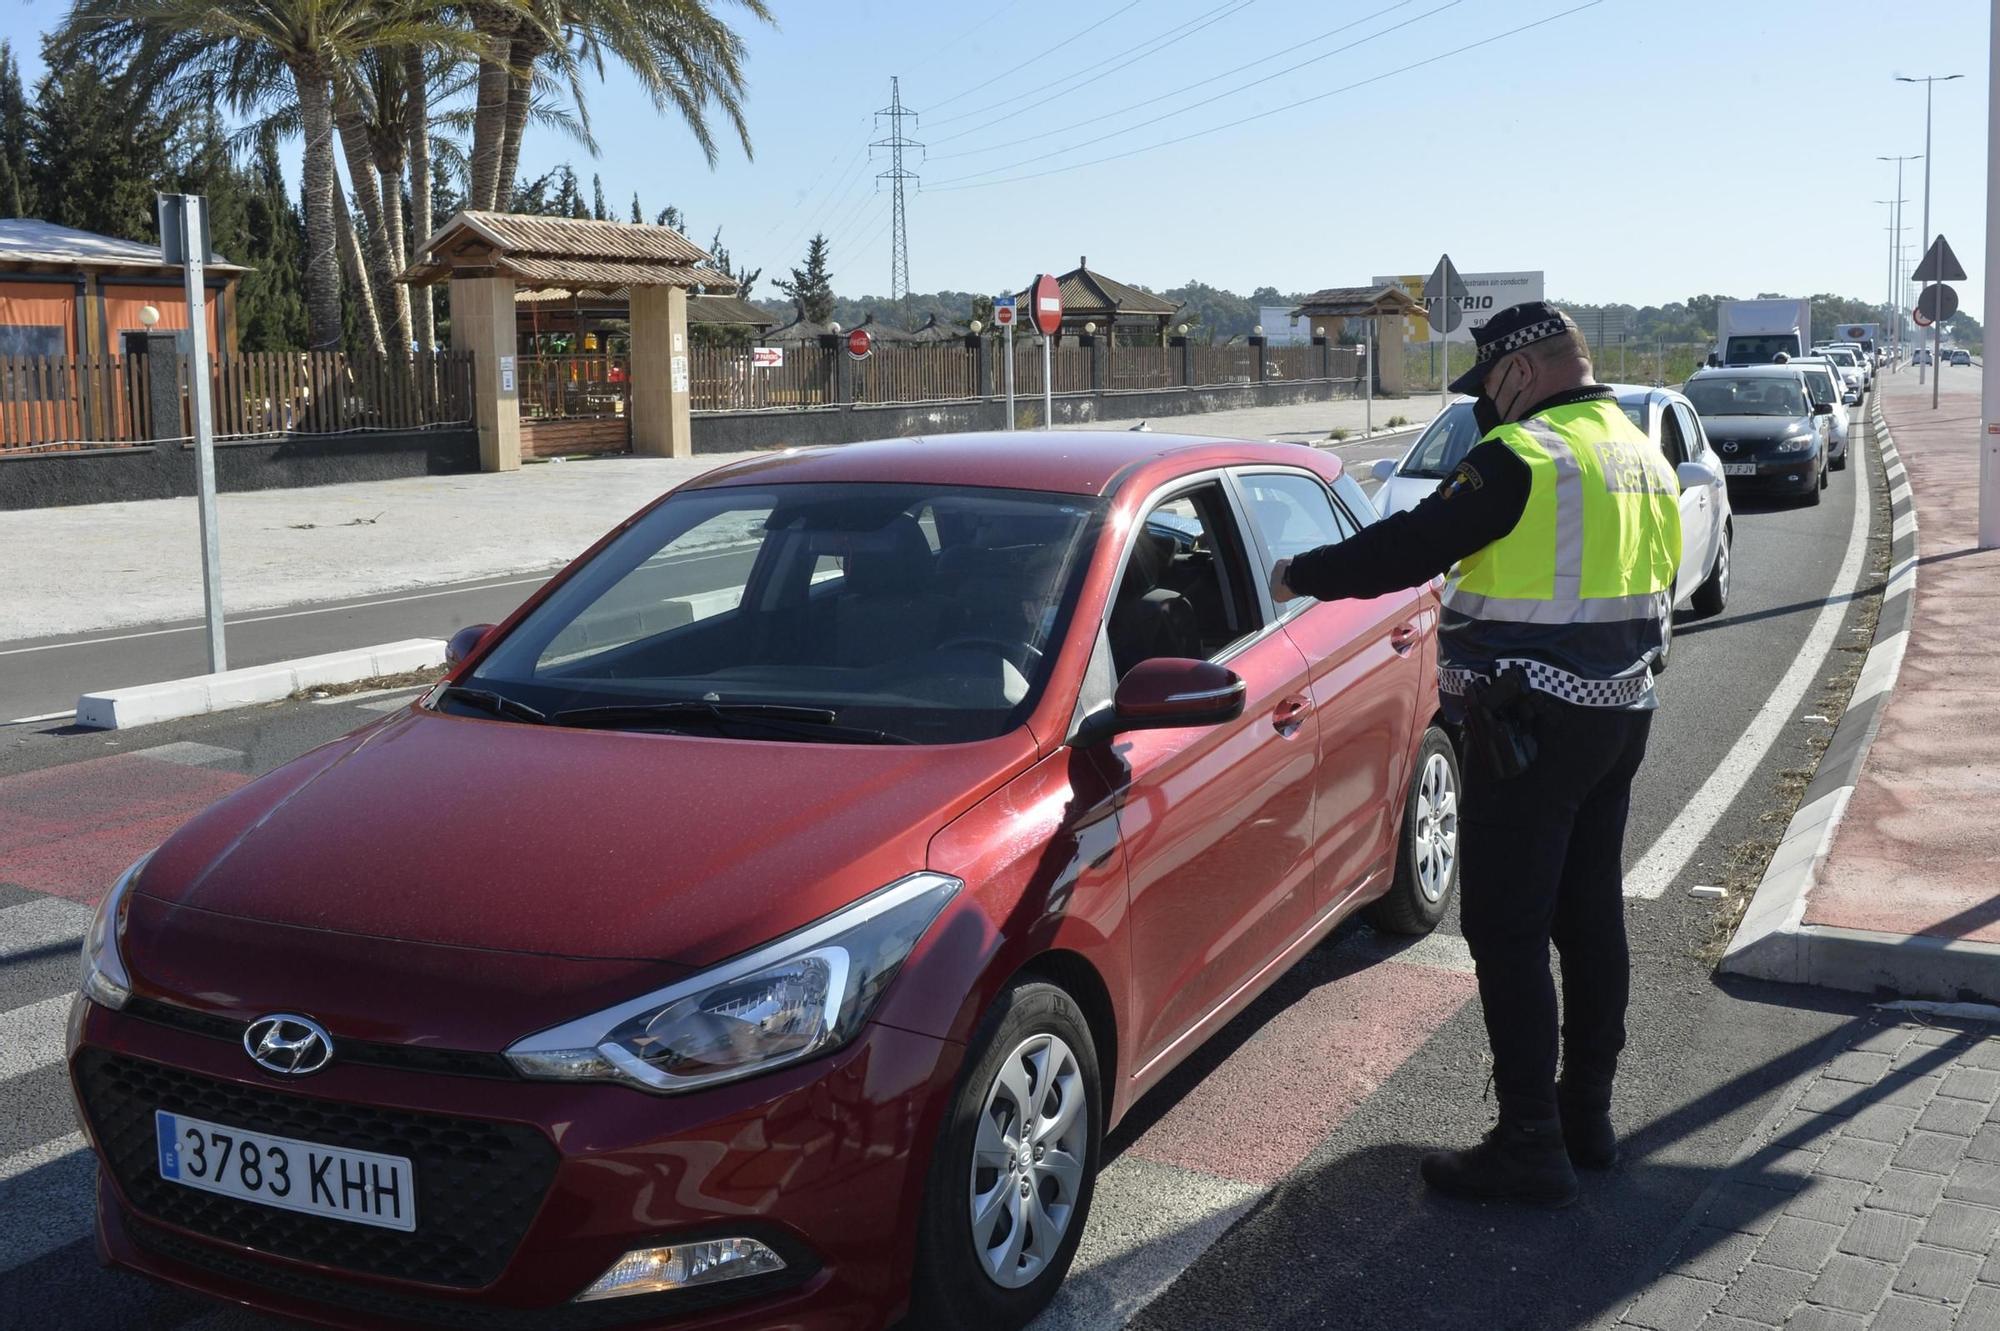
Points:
x=1083, y=462
x=1756, y=371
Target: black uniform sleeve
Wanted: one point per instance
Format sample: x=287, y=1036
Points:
x=1473, y=507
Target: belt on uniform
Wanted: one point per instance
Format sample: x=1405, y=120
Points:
x=1545, y=678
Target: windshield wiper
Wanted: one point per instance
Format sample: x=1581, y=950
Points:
x=488, y=701
x=811, y=723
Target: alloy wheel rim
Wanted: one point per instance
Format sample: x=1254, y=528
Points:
x=1436, y=845
x=1722, y=570
x=1027, y=1160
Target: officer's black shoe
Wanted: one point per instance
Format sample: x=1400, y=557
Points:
x=1586, y=1124
x=1520, y=1160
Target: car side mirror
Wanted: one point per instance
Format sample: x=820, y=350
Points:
x=1167, y=693
x=1823, y=409
x=464, y=643
x=1693, y=474
x=1382, y=468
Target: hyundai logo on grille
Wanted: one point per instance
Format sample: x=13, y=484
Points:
x=289, y=1044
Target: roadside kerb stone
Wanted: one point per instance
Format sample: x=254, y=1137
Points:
x=198, y=695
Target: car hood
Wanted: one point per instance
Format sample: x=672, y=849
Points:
x=1400, y=493
x=1754, y=429
x=487, y=834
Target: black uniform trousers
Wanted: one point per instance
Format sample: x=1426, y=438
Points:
x=1541, y=860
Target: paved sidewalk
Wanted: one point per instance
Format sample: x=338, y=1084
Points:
x=1871, y=1200
x=103, y=566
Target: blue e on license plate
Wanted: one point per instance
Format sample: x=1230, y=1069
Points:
x=358, y=1186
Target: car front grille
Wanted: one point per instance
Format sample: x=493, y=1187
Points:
x=378, y=1305
x=478, y=1183
x=407, y=1057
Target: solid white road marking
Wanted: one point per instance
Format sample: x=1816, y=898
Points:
x=336, y=699
x=43, y=922
x=1668, y=856
x=31, y=1037
x=389, y=704
x=48, y=1195
x=190, y=754
x=45, y=716
x=289, y=614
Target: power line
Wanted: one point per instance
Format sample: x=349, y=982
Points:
x=994, y=13
x=897, y=175
x=851, y=176
x=1098, y=69
x=1186, y=88
x=1196, y=106
x=1132, y=4
x=1287, y=109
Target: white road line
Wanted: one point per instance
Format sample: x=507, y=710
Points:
x=43, y=922
x=1668, y=856
x=289, y=614
x=45, y=716
x=190, y=754
x=31, y=1037
x=335, y=700
x=48, y=1195
x=388, y=704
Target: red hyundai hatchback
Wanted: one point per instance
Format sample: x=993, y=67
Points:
x=764, y=925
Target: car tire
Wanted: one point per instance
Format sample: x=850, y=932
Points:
x=1839, y=463
x=1034, y=1043
x=1427, y=849
x=1713, y=595
x=1812, y=493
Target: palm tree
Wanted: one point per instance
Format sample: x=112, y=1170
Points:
x=686, y=58
x=248, y=55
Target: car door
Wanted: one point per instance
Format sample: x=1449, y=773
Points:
x=1365, y=665
x=1697, y=505
x=1217, y=821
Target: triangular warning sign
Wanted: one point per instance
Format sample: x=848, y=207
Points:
x=1940, y=264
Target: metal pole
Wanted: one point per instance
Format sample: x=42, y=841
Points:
x=1368, y=372
x=1010, y=373
x=192, y=232
x=1444, y=355
x=1989, y=376
x=1048, y=383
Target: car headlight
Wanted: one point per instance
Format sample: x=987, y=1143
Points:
x=805, y=994
x=104, y=978
x=1794, y=443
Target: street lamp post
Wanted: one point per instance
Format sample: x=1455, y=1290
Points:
x=1895, y=253
x=1928, y=80
x=1901, y=293
x=1989, y=375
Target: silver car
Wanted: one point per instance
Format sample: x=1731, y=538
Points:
x=1824, y=383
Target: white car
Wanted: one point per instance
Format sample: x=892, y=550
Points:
x=1850, y=370
x=1824, y=382
x=1708, y=524
x=1861, y=358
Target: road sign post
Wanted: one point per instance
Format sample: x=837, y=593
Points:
x=184, y=240
x=1442, y=294
x=1003, y=314
x=1989, y=371
x=1938, y=301
x=1047, y=314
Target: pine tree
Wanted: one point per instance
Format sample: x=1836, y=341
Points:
x=597, y=209
x=637, y=216
x=745, y=278
x=17, y=197
x=671, y=216
x=811, y=287
x=97, y=156
x=271, y=301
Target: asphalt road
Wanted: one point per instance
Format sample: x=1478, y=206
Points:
x=1271, y=1182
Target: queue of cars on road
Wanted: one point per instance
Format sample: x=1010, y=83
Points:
x=766, y=923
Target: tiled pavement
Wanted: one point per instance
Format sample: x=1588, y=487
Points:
x=1870, y=1200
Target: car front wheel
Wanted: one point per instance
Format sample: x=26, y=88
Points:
x=1010, y=1184
x=1427, y=859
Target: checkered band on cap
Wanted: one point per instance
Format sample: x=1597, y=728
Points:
x=1521, y=337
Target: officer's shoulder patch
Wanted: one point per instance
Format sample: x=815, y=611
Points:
x=1464, y=477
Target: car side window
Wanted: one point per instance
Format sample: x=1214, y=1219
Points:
x=1293, y=514
x=1670, y=437
x=1697, y=443
x=1185, y=590
x=1355, y=504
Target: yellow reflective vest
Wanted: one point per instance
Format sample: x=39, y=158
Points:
x=1584, y=580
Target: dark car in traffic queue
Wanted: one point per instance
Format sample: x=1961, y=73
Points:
x=764, y=925
x=1765, y=427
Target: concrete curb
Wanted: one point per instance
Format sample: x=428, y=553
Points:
x=145, y=704
x=1773, y=942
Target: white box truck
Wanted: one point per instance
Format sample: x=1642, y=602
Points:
x=1753, y=332
x=1869, y=336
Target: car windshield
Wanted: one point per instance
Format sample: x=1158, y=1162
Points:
x=914, y=613
x=1444, y=445
x=1819, y=383
x=1743, y=395
x=1840, y=356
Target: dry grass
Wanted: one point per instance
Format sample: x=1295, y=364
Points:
x=409, y=679
x=1743, y=864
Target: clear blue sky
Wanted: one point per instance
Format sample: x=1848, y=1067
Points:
x=1635, y=150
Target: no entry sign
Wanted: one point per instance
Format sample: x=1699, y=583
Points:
x=1046, y=303
x=859, y=344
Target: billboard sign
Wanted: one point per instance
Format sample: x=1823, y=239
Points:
x=1485, y=293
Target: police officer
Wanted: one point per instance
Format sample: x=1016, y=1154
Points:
x=1561, y=534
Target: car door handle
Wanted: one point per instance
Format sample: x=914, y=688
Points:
x=1403, y=637
x=1289, y=715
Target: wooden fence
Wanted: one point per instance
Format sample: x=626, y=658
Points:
x=730, y=379
x=54, y=403
x=572, y=387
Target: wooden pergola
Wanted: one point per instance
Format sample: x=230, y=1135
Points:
x=1089, y=297
x=488, y=258
x=1328, y=311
